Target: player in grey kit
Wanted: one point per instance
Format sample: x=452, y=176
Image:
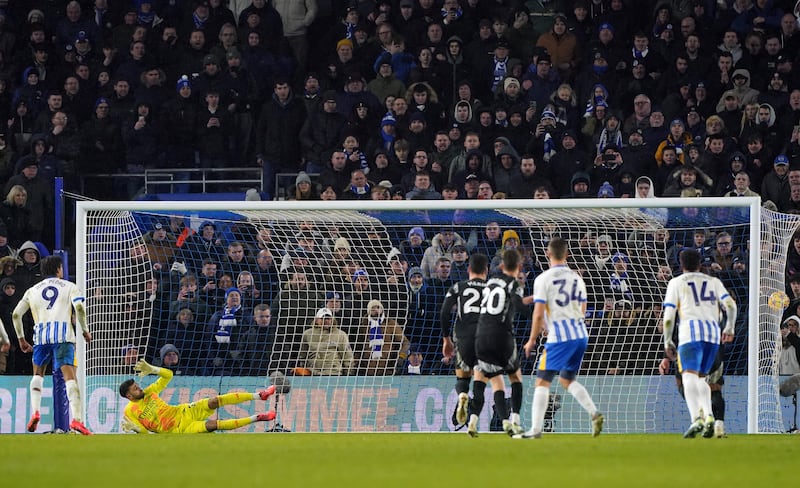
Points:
x=465, y=296
x=495, y=347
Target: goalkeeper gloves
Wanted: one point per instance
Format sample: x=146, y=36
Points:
x=179, y=267
x=143, y=368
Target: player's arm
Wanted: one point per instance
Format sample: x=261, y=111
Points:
x=730, y=317
x=16, y=317
x=670, y=312
x=79, y=304
x=131, y=425
x=537, y=326
x=5, y=343
x=445, y=320
x=144, y=369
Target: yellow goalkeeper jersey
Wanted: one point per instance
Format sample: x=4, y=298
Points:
x=153, y=413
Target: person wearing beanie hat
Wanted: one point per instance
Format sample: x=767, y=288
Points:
x=413, y=248
x=510, y=81
x=180, y=114
x=170, y=356
x=302, y=177
x=210, y=59
x=388, y=119
x=510, y=234
x=183, y=82
x=325, y=348
x=413, y=271
x=341, y=243
x=386, y=347
x=606, y=190
x=361, y=275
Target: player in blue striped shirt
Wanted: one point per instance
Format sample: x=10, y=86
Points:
x=51, y=302
x=559, y=296
x=696, y=299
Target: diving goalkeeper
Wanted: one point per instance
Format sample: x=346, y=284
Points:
x=148, y=412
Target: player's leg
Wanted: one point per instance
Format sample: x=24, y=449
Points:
x=709, y=357
x=690, y=363
x=42, y=354
x=65, y=361
x=478, y=391
x=515, y=378
x=715, y=382
x=465, y=363
x=230, y=424
x=462, y=389
x=572, y=354
x=239, y=397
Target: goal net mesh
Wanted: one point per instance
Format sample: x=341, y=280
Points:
x=166, y=281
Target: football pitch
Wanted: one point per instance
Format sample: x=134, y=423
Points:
x=379, y=460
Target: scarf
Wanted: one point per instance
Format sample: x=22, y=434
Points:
x=499, y=72
x=608, y=137
x=376, y=337
x=198, y=22
x=388, y=140
x=349, y=30
x=549, y=147
x=619, y=283
x=222, y=333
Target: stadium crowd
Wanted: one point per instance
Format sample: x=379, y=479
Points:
x=406, y=99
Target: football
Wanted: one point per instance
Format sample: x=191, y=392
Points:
x=778, y=300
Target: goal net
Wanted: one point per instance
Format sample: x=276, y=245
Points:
x=344, y=303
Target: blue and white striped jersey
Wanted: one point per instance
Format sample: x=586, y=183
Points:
x=563, y=292
x=697, y=298
x=51, y=302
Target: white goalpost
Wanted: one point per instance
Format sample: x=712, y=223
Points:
x=146, y=269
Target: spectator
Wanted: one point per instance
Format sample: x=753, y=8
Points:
x=16, y=217
x=321, y=132
x=29, y=273
x=775, y=186
x=170, y=359
x=258, y=342
x=278, y=147
x=423, y=188
x=359, y=188
x=245, y=283
x=789, y=361
x=205, y=245
x=325, y=349
x=39, y=198
x=294, y=307
x=226, y=329
x=381, y=346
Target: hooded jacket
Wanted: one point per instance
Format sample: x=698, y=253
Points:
x=744, y=93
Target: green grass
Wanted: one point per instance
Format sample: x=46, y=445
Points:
x=381, y=460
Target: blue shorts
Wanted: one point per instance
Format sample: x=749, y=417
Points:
x=697, y=356
x=62, y=354
x=563, y=358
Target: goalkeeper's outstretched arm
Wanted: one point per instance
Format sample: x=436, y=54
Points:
x=144, y=368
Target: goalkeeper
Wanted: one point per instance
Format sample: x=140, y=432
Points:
x=148, y=412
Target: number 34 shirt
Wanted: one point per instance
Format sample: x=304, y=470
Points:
x=563, y=292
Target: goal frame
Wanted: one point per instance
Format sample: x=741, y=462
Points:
x=754, y=272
